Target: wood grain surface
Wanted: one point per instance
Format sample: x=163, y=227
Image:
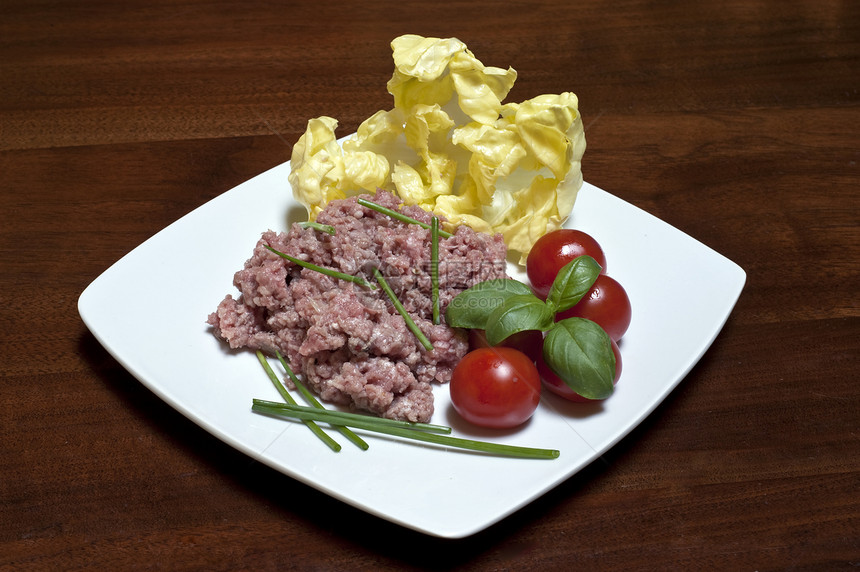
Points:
x=736, y=121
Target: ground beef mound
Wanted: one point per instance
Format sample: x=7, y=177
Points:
x=348, y=342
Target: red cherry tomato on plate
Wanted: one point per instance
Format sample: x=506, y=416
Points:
x=495, y=387
x=530, y=342
x=554, y=383
x=607, y=304
x=555, y=249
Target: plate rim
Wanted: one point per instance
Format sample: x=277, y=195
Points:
x=86, y=308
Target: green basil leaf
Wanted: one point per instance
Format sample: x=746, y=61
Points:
x=517, y=314
x=572, y=282
x=472, y=308
x=580, y=353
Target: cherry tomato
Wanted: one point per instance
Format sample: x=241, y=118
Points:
x=495, y=387
x=554, y=383
x=530, y=342
x=607, y=304
x=555, y=249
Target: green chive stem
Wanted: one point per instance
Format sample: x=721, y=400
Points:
x=309, y=397
x=398, y=216
x=434, y=267
x=410, y=323
x=333, y=445
x=326, y=228
x=435, y=438
x=345, y=417
x=327, y=271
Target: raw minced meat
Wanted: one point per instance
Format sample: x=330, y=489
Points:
x=347, y=341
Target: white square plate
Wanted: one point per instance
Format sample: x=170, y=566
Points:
x=149, y=311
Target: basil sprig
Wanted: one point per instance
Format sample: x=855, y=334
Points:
x=572, y=282
x=577, y=350
x=580, y=353
x=471, y=308
x=518, y=314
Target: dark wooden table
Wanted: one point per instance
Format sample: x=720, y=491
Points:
x=736, y=121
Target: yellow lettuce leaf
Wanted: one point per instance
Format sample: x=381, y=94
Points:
x=451, y=146
x=321, y=171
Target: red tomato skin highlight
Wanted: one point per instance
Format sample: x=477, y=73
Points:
x=495, y=387
x=555, y=249
x=554, y=384
x=607, y=304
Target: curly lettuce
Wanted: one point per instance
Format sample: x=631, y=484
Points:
x=451, y=146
